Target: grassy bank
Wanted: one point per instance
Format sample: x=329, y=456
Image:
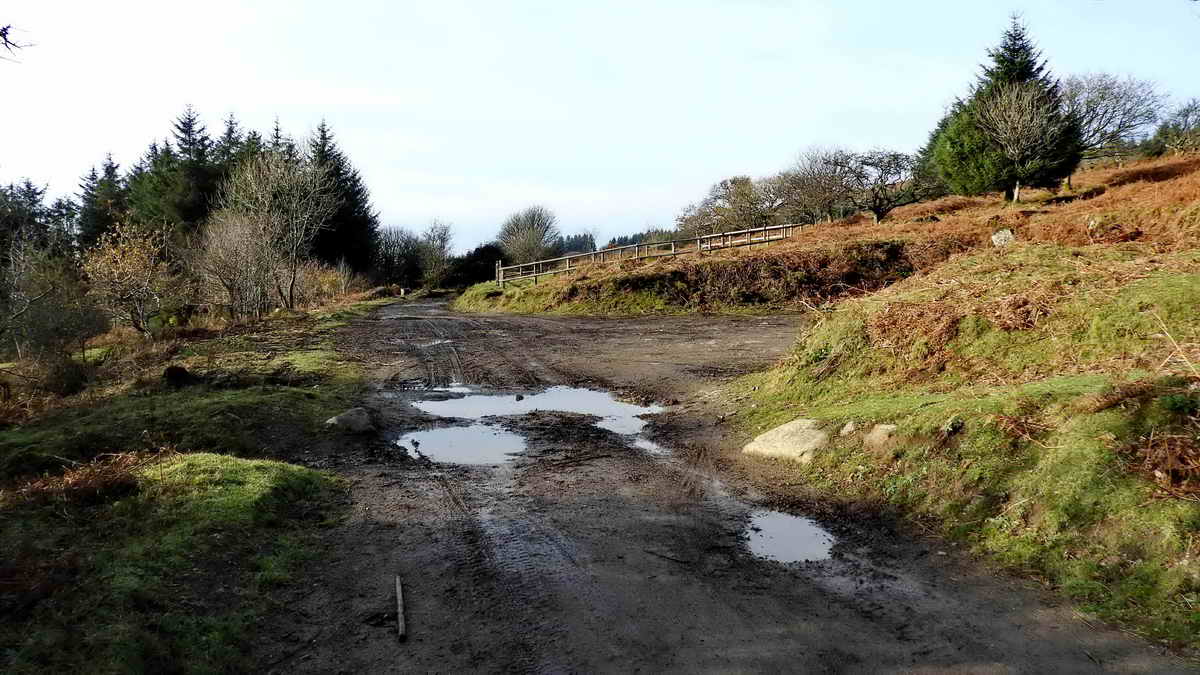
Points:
x=120, y=557
x=253, y=391
x=150, y=564
x=1046, y=401
x=786, y=276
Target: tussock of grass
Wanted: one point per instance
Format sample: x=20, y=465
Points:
x=164, y=578
x=1027, y=384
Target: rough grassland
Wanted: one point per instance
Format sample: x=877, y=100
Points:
x=1155, y=202
x=1046, y=399
x=122, y=557
x=168, y=574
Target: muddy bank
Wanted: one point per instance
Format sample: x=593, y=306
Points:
x=590, y=526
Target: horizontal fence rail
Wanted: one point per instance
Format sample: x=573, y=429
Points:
x=659, y=249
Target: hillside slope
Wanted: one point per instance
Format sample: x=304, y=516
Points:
x=1153, y=202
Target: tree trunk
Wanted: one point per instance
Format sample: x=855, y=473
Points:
x=1017, y=192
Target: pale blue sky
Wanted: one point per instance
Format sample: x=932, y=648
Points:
x=613, y=114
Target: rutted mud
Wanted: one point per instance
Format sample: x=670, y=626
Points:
x=617, y=539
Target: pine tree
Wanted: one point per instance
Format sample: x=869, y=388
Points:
x=153, y=186
x=103, y=202
x=228, y=148
x=350, y=235
x=197, y=180
x=282, y=143
x=966, y=160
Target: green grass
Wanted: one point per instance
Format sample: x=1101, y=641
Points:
x=167, y=579
x=1036, y=476
x=172, y=572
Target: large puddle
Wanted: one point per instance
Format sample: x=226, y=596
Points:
x=616, y=416
x=486, y=444
x=475, y=444
x=786, y=538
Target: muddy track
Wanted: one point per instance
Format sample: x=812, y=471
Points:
x=587, y=554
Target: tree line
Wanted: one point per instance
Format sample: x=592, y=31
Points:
x=1018, y=126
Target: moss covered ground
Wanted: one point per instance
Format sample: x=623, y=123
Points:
x=145, y=525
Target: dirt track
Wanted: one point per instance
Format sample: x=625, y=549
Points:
x=585, y=554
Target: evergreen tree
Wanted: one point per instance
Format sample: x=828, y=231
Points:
x=282, y=143
x=22, y=214
x=227, y=150
x=196, y=183
x=966, y=160
x=153, y=185
x=103, y=202
x=349, y=235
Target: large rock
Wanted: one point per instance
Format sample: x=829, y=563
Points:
x=880, y=438
x=798, y=440
x=1003, y=237
x=357, y=420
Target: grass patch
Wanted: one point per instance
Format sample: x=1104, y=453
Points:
x=1029, y=386
x=257, y=390
x=167, y=577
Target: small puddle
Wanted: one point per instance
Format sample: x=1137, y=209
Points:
x=616, y=416
x=786, y=538
x=474, y=444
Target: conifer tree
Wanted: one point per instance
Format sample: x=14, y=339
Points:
x=966, y=159
x=197, y=176
x=349, y=235
x=228, y=147
x=103, y=202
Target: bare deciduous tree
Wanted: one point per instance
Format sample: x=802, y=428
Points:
x=878, y=181
x=398, y=257
x=1025, y=122
x=234, y=259
x=435, y=253
x=1180, y=132
x=1111, y=111
x=531, y=234
x=818, y=184
x=286, y=200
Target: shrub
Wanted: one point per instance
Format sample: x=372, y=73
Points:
x=129, y=275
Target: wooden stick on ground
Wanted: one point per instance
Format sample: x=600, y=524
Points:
x=401, y=629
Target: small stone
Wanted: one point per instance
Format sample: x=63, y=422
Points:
x=357, y=420
x=850, y=428
x=1003, y=237
x=880, y=438
x=797, y=440
x=520, y=397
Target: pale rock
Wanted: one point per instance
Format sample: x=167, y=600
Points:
x=1003, y=237
x=798, y=440
x=850, y=428
x=879, y=438
x=357, y=420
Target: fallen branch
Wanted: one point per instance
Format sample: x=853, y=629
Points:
x=401, y=629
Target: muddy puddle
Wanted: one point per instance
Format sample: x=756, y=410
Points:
x=785, y=538
x=616, y=416
x=474, y=444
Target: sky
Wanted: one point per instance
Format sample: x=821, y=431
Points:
x=613, y=114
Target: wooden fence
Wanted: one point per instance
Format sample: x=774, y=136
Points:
x=658, y=249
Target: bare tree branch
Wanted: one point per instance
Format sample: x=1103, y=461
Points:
x=1111, y=111
x=1023, y=119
